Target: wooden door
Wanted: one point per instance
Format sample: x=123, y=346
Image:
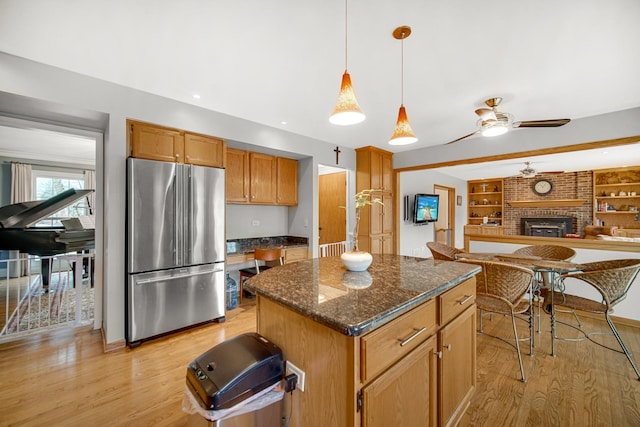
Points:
x=457, y=371
x=262, y=187
x=203, y=151
x=156, y=143
x=332, y=219
x=445, y=225
x=287, y=181
x=237, y=176
x=405, y=394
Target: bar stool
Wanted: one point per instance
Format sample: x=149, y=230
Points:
x=259, y=255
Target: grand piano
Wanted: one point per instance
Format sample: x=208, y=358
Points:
x=18, y=233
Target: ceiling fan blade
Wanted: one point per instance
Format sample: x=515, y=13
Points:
x=554, y=123
x=462, y=137
x=486, y=114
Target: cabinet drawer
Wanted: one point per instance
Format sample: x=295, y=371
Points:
x=456, y=300
x=387, y=344
x=295, y=254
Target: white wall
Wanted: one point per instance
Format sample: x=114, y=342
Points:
x=413, y=238
x=271, y=221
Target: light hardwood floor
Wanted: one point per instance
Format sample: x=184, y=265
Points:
x=65, y=379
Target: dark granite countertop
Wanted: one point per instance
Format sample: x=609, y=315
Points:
x=323, y=290
x=248, y=245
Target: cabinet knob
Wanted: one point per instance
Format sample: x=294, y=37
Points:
x=447, y=346
x=438, y=353
x=177, y=155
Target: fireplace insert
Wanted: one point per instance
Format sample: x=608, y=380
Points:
x=546, y=227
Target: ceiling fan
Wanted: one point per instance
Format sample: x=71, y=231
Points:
x=493, y=122
x=528, y=171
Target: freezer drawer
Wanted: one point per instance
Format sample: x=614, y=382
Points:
x=163, y=301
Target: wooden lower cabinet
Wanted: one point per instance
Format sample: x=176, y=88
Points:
x=294, y=254
x=457, y=367
x=405, y=395
x=373, y=380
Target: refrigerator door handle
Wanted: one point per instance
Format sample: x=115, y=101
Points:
x=176, y=229
x=175, y=276
x=190, y=238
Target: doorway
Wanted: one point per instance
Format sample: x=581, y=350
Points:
x=51, y=158
x=332, y=194
x=445, y=225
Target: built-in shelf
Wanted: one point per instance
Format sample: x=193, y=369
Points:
x=546, y=203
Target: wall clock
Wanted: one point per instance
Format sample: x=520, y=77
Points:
x=542, y=187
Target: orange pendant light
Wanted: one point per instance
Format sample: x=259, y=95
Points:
x=347, y=110
x=403, y=134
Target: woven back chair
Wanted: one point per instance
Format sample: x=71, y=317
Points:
x=442, y=251
x=612, y=279
x=501, y=288
x=560, y=253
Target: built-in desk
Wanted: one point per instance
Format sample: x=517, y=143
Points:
x=240, y=251
x=391, y=346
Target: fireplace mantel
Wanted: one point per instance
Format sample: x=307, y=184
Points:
x=546, y=203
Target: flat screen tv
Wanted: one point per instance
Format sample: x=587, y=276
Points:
x=425, y=208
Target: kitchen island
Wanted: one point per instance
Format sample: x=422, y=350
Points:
x=394, y=345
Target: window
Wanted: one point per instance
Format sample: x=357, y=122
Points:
x=47, y=184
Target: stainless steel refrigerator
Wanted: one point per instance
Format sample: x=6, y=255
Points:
x=175, y=247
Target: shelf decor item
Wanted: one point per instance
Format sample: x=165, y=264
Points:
x=356, y=260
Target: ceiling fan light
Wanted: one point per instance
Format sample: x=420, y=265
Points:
x=494, y=129
x=347, y=111
x=403, y=134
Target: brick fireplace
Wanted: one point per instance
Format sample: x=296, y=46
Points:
x=566, y=186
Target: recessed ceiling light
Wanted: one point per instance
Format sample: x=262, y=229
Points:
x=283, y=122
x=196, y=96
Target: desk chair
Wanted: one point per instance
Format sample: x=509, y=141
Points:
x=259, y=255
x=501, y=288
x=443, y=251
x=333, y=249
x=612, y=279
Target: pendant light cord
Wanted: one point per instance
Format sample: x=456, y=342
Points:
x=346, y=33
x=402, y=72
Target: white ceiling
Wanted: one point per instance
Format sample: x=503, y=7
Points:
x=282, y=60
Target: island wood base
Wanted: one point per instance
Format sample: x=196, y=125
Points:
x=373, y=380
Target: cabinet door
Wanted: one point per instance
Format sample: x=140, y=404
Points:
x=156, y=143
x=404, y=395
x=237, y=176
x=457, y=370
x=263, y=178
x=379, y=244
x=287, y=181
x=203, y=151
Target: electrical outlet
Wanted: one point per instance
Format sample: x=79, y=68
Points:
x=255, y=223
x=293, y=369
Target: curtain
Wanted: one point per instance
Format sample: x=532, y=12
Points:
x=21, y=191
x=90, y=184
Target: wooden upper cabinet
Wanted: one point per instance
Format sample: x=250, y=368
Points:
x=173, y=145
x=260, y=178
x=287, y=181
x=262, y=187
x=156, y=143
x=237, y=176
x=374, y=169
x=204, y=150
